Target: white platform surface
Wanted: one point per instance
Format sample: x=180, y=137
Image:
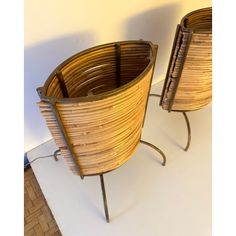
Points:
x=144, y=198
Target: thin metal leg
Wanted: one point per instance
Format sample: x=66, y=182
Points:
x=189, y=131
x=187, y=122
x=157, y=149
x=104, y=198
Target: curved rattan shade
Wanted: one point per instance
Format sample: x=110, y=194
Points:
x=94, y=104
x=188, y=83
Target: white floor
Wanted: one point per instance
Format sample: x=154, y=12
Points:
x=144, y=198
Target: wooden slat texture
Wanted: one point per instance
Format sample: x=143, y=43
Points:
x=189, y=80
x=103, y=132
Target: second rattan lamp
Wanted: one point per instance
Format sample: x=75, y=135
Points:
x=188, y=82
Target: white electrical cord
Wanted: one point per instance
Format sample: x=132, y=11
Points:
x=55, y=154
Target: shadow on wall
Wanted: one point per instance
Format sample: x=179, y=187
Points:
x=39, y=61
x=157, y=25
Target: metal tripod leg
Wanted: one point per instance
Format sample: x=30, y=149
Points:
x=104, y=198
x=187, y=122
x=157, y=149
x=189, y=131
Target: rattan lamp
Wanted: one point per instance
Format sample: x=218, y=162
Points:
x=188, y=82
x=94, y=105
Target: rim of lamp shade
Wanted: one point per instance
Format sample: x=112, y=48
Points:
x=185, y=18
x=43, y=90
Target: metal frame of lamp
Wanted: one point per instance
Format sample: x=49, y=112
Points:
x=94, y=104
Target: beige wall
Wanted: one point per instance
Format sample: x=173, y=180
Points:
x=55, y=30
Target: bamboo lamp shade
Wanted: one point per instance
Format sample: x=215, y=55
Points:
x=188, y=83
x=94, y=104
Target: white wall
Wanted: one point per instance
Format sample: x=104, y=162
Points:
x=57, y=29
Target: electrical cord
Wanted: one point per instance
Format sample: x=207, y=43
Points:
x=55, y=155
